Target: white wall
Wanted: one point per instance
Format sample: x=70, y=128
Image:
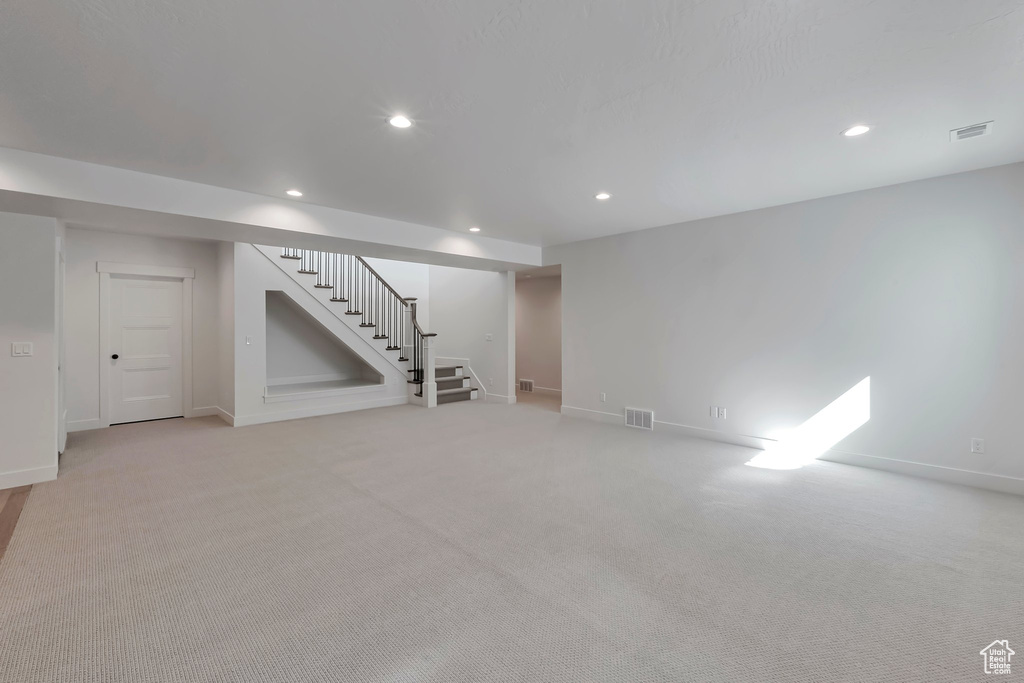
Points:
x=409, y=280
x=539, y=331
x=226, y=328
x=466, y=306
x=300, y=350
x=84, y=249
x=28, y=385
x=775, y=313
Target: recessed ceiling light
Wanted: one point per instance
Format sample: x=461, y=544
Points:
x=293, y=193
x=399, y=121
x=854, y=131
x=602, y=196
x=474, y=229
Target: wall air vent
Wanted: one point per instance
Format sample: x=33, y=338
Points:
x=526, y=385
x=968, y=132
x=639, y=418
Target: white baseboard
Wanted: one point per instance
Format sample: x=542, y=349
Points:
x=982, y=480
x=683, y=430
x=546, y=390
x=206, y=411
x=745, y=440
x=950, y=475
x=498, y=398
x=87, y=425
x=280, y=416
x=8, y=480
x=83, y=425
x=593, y=415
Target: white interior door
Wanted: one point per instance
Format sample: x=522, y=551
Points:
x=145, y=349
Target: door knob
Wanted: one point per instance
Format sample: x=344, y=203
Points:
x=114, y=356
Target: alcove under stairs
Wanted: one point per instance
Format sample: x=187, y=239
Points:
x=305, y=360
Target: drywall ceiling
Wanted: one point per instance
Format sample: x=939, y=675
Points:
x=543, y=271
x=523, y=110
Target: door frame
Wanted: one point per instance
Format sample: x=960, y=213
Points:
x=187, y=276
x=62, y=402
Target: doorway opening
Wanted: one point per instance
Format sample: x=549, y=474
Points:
x=539, y=337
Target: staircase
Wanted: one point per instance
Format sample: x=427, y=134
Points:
x=365, y=300
x=452, y=384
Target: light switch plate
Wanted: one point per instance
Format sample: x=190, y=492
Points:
x=21, y=349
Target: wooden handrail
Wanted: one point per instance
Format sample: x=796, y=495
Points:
x=370, y=296
x=415, y=322
x=405, y=302
x=383, y=281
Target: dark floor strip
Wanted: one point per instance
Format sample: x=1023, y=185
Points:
x=10, y=511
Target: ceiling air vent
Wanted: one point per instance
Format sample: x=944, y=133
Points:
x=968, y=132
x=639, y=418
x=526, y=385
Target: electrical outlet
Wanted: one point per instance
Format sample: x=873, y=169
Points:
x=721, y=413
x=248, y=340
x=978, y=446
x=604, y=397
x=718, y=412
x=490, y=381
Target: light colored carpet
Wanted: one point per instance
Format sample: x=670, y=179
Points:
x=481, y=542
x=540, y=400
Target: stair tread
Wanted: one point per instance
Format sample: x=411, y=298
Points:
x=450, y=392
x=441, y=380
x=446, y=367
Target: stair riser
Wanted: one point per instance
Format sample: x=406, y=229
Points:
x=454, y=398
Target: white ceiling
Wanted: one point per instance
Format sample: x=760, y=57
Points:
x=523, y=110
